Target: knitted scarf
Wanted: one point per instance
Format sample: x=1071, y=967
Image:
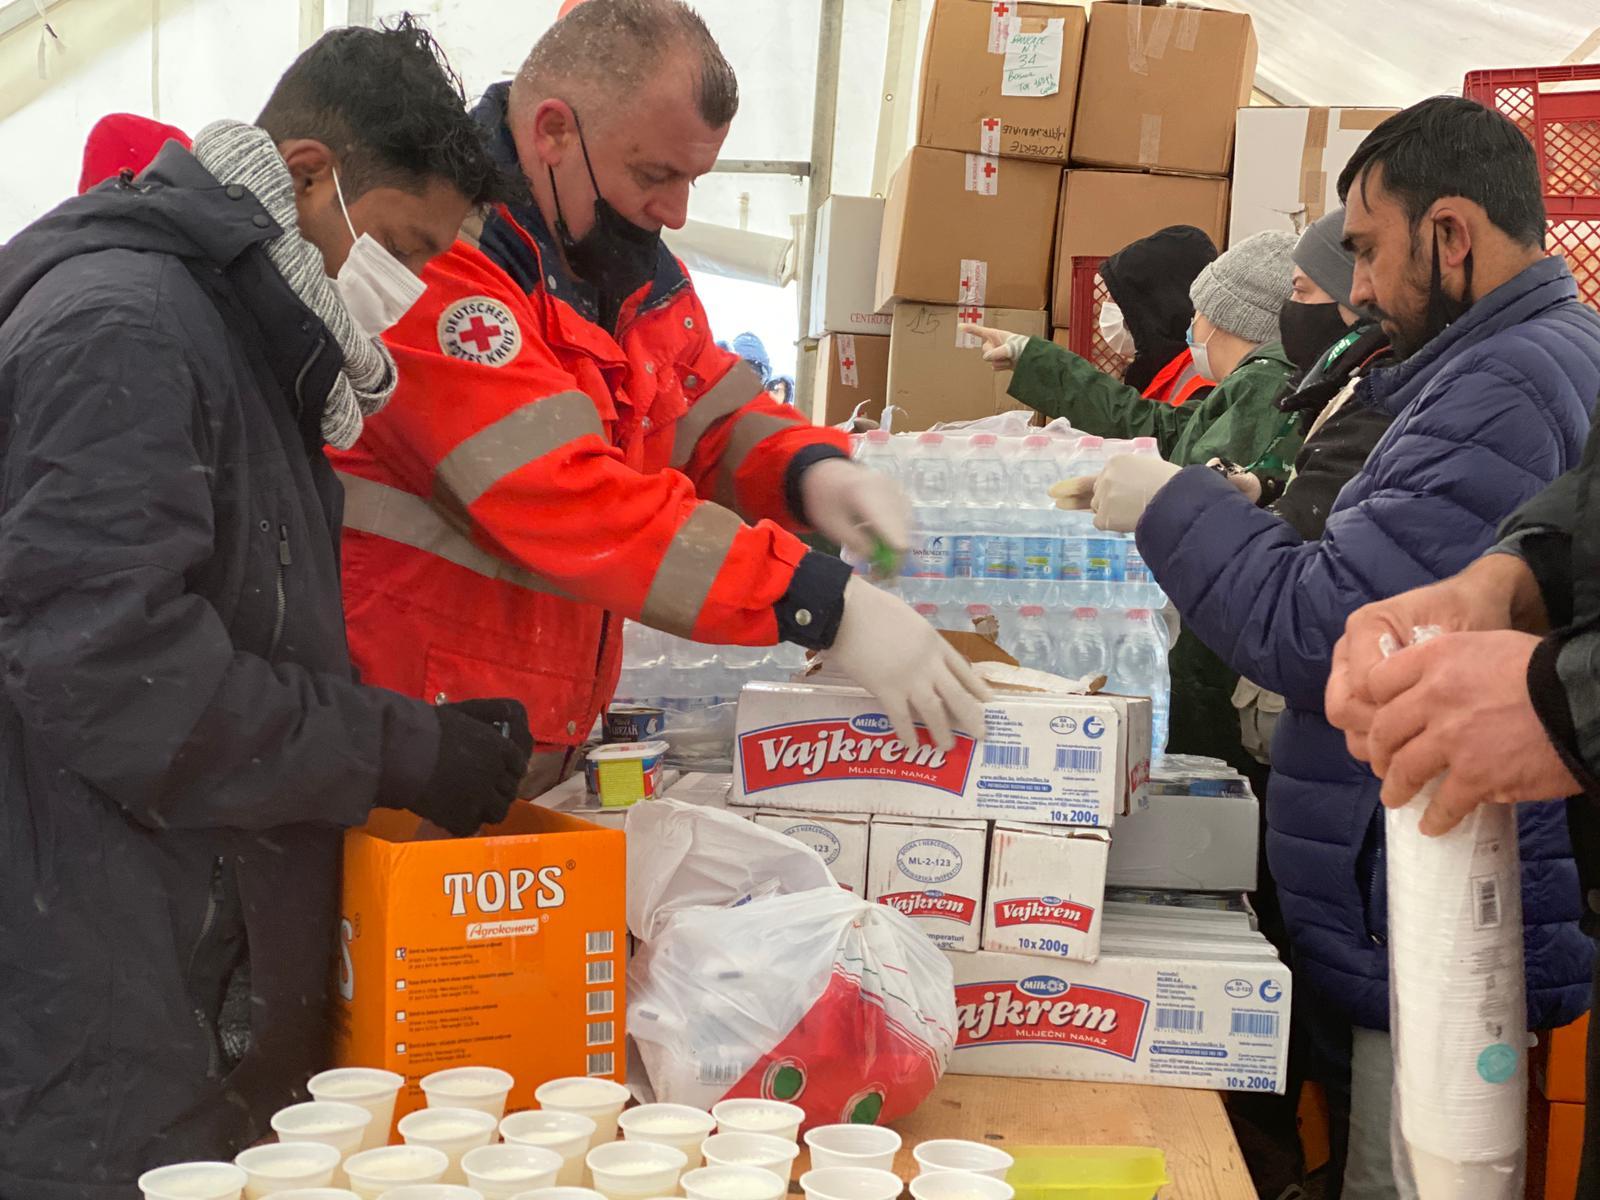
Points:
x=235, y=153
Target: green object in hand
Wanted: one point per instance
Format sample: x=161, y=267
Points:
x=885, y=560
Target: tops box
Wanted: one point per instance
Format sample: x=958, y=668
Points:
x=968, y=229
x=1001, y=83
x=1161, y=87
x=845, y=265
x=1286, y=164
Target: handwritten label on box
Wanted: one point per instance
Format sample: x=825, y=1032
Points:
x=1033, y=62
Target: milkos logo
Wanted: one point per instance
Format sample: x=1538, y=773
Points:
x=863, y=747
x=1046, y=1010
x=1043, y=910
x=963, y=909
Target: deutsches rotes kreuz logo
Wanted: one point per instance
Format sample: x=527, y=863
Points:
x=479, y=330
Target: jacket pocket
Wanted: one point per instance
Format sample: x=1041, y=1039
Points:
x=553, y=700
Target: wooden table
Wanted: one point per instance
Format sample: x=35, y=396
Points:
x=1203, y=1160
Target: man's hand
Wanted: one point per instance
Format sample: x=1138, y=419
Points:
x=1125, y=489
x=855, y=507
x=1459, y=704
x=1001, y=350
x=1496, y=592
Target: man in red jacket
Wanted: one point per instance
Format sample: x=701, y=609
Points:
x=568, y=445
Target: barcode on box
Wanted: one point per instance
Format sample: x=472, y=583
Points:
x=1180, y=1020
x=1255, y=1024
x=1004, y=756
x=601, y=1003
x=1072, y=759
x=602, y=1033
x=602, y=942
x=603, y=1064
x=1486, y=893
x=601, y=972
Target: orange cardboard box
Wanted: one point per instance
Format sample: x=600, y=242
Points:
x=1560, y=1068
x=502, y=950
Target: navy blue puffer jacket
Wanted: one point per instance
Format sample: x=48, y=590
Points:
x=1486, y=415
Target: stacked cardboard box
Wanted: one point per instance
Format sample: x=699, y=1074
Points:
x=1286, y=164
x=852, y=365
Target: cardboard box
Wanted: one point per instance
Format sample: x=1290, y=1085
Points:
x=1201, y=843
x=1179, y=1019
x=967, y=229
x=845, y=267
x=1064, y=760
x=1102, y=211
x=852, y=370
x=1047, y=888
x=938, y=374
x=503, y=950
x=932, y=871
x=1001, y=84
x=1560, y=1066
x=1286, y=164
x=1161, y=87
x=1061, y=337
x=840, y=838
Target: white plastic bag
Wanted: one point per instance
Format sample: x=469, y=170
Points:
x=759, y=976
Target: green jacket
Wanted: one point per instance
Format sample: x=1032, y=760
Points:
x=1238, y=420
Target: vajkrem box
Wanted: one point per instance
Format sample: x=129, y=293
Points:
x=932, y=871
x=503, y=950
x=1046, y=890
x=839, y=838
x=1042, y=759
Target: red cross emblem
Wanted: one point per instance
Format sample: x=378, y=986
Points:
x=479, y=329
x=1002, y=9
x=970, y=315
x=991, y=123
x=847, y=363
x=989, y=170
x=480, y=333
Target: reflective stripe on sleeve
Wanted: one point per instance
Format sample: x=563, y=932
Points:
x=749, y=431
x=515, y=440
x=689, y=568
x=731, y=393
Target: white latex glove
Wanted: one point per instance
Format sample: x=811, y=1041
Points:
x=853, y=506
x=1120, y=493
x=1000, y=349
x=913, y=672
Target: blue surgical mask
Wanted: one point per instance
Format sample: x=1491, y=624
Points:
x=1201, y=354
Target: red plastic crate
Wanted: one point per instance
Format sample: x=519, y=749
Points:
x=1562, y=120
x=1089, y=292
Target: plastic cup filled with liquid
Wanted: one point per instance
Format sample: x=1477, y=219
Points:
x=733, y=1183
x=869, y=1146
x=954, y=1154
x=850, y=1183
x=560, y=1193
x=194, y=1181
x=365, y=1087
x=772, y=1117
x=500, y=1172
x=451, y=1130
x=600, y=1100
x=636, y=1170
x=762, y=1150
x=284, y=1165
x=482, y=1088
x=432, y=1191
x=568, y=1134
x=374, y=1172
x=960, y=1185
x=675, y=1125
x=321, y=1193
x=330, y=1122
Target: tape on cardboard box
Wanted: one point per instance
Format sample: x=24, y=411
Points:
x=1150, y=138
x=983, y=174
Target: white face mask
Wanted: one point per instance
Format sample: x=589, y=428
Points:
x=375, y=286
x=1114, y=328
x=1201, y=353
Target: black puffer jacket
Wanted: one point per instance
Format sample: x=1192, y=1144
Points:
x=181, y=737
x=1149, y=279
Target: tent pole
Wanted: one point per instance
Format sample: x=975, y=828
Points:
x=824, y=115
x=899, y=73
x=313, y=21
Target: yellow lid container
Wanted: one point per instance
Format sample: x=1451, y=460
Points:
x=1087, y=1172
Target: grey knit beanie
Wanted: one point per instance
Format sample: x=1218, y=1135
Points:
x=1243, y=290
x=1320, y=253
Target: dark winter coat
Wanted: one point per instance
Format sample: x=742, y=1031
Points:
x=181, y=738
x=1149, y=279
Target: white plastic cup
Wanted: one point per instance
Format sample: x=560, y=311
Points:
x=374, y=1172
x=870, y=1146
x=452, y=1130
x=329, y=1122
x=733, y=1183
x=771, y=1117
x=194, y=1181
x=560, y=1193
x=327, y=1193
x=675, y=1125
x=431, y=1191
x=482, y=1088
x=365, y=1087
x=568, y=1134
x=600, y=1100
x=636, y=1170
x=850, y=1183
x=762, y=1150
x=500, y=1172
x=284, y=1165
x=960, y=1185
x=954, y=1154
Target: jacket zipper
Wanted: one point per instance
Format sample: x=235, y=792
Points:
x=1378, y=854
x=284, y=561
x=207, y=926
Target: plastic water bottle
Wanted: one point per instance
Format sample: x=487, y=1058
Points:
x=876, y=450
x=1139, y=668
x=985, y=492
x=1083, y=646
x=1102, y=550
x=1140, y=587
x=929, y=480
x=1088, y=458
x=1032, y=644
x=1036, y=515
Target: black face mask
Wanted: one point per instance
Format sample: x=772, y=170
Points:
x=616, y=256
x=1307, y=330
x=1442, y=310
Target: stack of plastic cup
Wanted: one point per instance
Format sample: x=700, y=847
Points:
x=568, y=1134
x=734, y=1183
x=960, y=1185
x=850, y=1183
x=329, y=1122
x=374, y=1172
x=454, y=1131
x=277, y=1168
x=773, y=1154
x=482, y=1088
x=365, y=1087
x=500, y=1172
x=600, y=1100
x=194, y=1181
x=636, y=1170
x=868, y=1146
x=954, y=1154
x=772, y=1117
x=675, y=1125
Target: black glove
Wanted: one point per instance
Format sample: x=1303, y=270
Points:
x=483, y=754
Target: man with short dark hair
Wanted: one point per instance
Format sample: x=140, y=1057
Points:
x=570, y=447
x=182, y=739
